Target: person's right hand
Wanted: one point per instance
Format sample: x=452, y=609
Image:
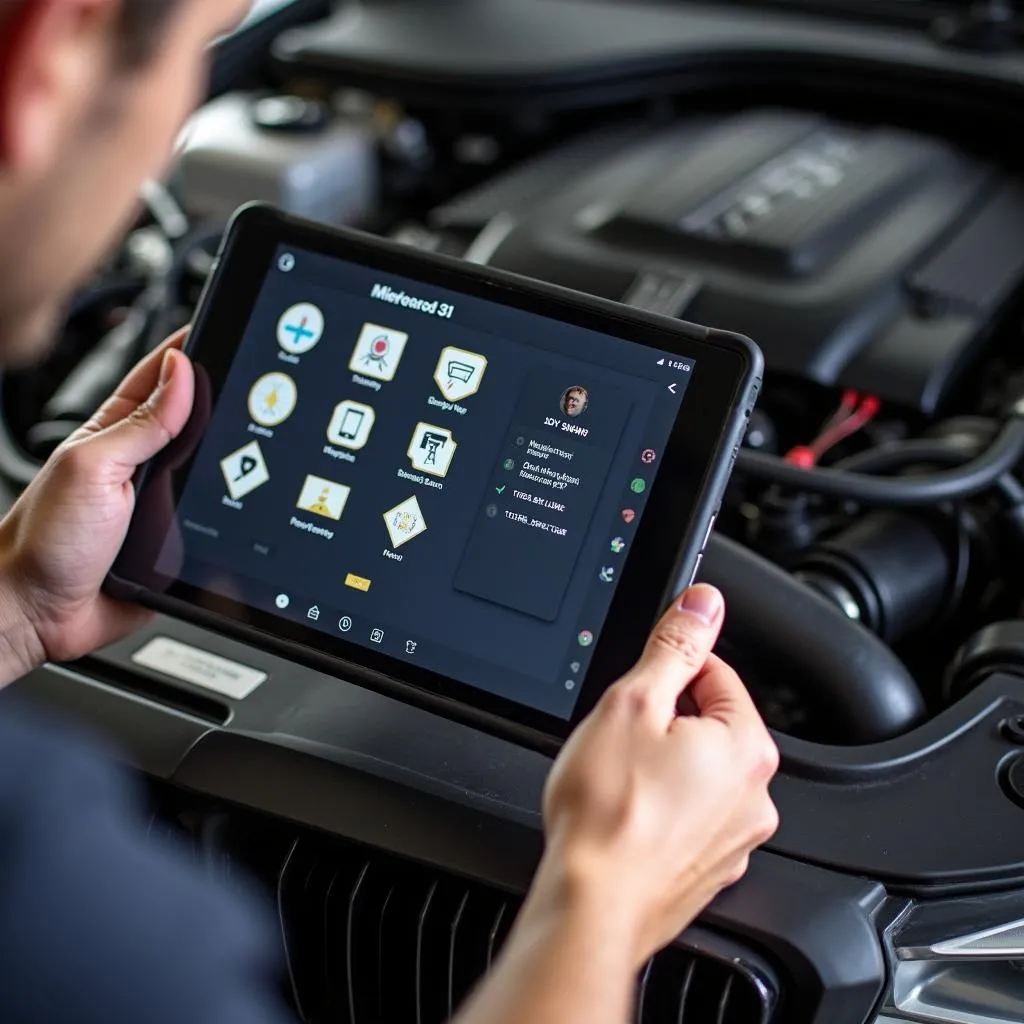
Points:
x=649, y=813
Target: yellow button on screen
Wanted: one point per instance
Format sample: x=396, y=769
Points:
x=357, y=582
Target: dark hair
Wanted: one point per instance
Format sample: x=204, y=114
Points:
x=142, y=22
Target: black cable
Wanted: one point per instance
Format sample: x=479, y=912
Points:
x=972, y=477
x=950, y=451
x=920, y=451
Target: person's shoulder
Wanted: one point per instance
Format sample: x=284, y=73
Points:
x=44, y=757
x=27, y=729
x=88, y=900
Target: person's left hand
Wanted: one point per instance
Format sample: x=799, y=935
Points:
x=61, y=537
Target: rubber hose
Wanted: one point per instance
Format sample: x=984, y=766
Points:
x=846, y=673
x=973, y=477
x=900, y=454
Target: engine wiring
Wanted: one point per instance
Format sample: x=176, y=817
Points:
x=956, y=484
x=160, y=255
x=854, y=413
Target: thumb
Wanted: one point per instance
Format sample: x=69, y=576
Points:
x=153, y=424
x=680, y=646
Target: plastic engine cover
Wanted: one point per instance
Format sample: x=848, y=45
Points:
x=869, y=258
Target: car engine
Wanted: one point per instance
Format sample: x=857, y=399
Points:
x=877, y=267
x=870, y=544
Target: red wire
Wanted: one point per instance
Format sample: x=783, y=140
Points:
x=867, y=411
x=845, y=422
x=847, y=405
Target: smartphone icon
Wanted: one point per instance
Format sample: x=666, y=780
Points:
x=350, y=425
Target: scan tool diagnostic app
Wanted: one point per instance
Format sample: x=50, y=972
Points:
x=452, y=482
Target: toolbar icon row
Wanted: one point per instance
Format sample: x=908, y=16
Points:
x=379, y=350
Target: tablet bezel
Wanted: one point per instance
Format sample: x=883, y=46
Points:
x=709, y=428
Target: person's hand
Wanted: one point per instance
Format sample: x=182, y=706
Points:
x=650, y=813
x=60, y=539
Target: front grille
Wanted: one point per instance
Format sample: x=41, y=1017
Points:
x=374, y=939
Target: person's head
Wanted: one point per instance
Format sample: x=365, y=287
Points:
x=574, y=401
x=92, y=96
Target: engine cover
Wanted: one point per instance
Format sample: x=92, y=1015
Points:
x=869, y=258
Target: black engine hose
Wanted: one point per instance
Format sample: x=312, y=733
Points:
x=964, y=481
x=936, y=451
x=846, y=673
x=916, y=452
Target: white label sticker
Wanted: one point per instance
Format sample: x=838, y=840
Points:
x=199, y=667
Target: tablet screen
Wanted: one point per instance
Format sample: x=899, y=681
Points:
x=426, y=474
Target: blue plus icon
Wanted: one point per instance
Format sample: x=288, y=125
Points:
x=299, y=332
x=300, y=329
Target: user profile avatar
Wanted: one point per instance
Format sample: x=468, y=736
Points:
x=575, y=401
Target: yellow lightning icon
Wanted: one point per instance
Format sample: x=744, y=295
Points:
x=271, y=402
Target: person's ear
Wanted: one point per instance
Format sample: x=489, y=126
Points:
x=55, y=57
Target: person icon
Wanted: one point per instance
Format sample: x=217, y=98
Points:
x=320, y=506
x=323, y=497
x=575, y=401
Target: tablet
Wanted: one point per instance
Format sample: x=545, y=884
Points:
x=462, y=487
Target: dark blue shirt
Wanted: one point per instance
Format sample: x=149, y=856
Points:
x=98, y=923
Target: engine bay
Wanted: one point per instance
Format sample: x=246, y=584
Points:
x=854, y=206
x=874, y=267
x=876, y=263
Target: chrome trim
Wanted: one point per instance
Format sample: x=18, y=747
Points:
x=952, y=992
x=1003, y=942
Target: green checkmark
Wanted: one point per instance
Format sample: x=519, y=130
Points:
x=500, y=490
